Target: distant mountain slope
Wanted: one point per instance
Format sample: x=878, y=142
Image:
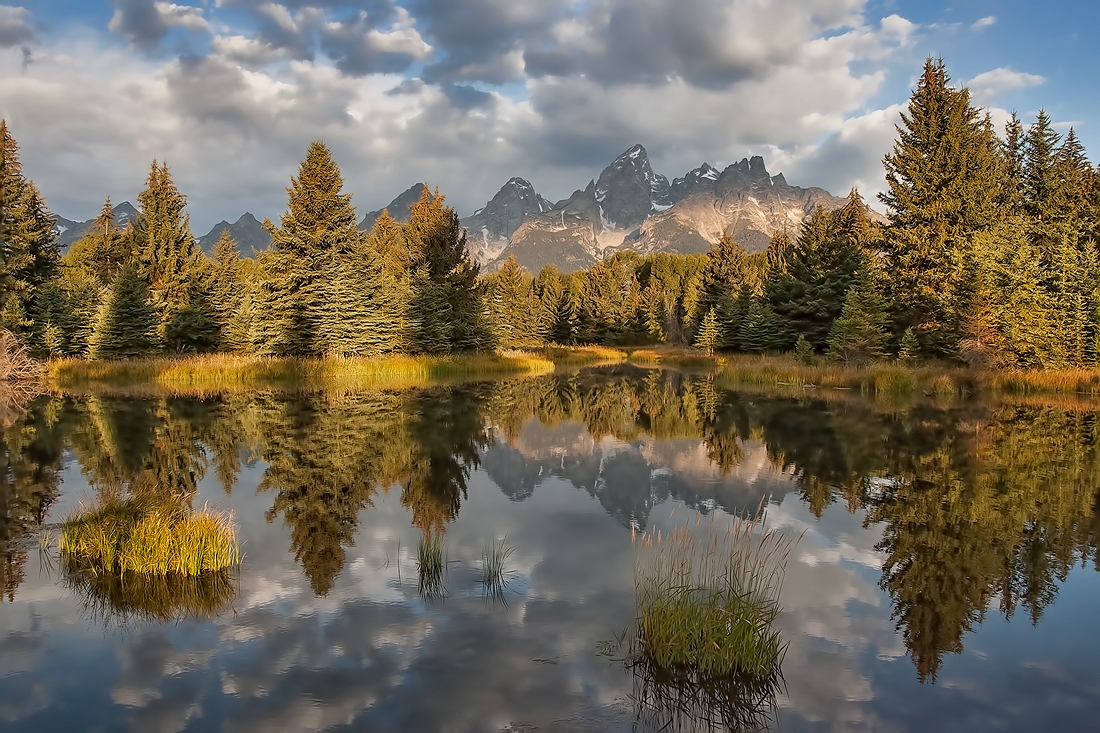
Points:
x=631, y=207
x=68, y=231
x=398, y=208
x=247, y=232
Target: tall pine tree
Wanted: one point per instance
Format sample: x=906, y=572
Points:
x=944, y=182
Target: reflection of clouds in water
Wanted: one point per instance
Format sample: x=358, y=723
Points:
x=372, y=655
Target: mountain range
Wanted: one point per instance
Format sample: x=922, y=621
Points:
x=628, y=207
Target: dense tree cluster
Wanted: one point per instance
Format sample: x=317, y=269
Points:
x=989, y=257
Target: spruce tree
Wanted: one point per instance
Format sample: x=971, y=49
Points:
x=709, y=335
x=316, y=231
x=944, y=182
x=908, y=348
x=724, y=273
x=103, y=250
x=436, y=243
x=165, y=254
x=859, y=335
x=29, y=254
x=821, y=266
x=127, y=322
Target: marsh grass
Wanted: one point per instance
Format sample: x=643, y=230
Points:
x=219, y=373
x=144, y=535
x=431, y=567
x=706, y=601
x=494, y=567
x=573, y=356
x=124, y=597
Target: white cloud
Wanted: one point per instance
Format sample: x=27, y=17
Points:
x=233, y=125
x=984, y=22
x=989, y=85
x=15, y=26
x=182, y=16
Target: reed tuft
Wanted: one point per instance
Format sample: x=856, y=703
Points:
x=135, y=534
x=706, y=602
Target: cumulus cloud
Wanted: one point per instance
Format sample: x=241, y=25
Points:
x=548, y=90
x=987, y=86
x=359, y=47
x=144, y=23
x=15, y=27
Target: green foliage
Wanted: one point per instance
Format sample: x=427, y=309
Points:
x=945, y=182
x=859, y=334
x=908, y=348
x=807, y=295
x=447, y=302
x=126, y=323
x=709, y=335
x=803, y=351
x=29, y=255
x=518, y=314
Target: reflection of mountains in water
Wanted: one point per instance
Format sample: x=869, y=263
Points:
x=630, y=478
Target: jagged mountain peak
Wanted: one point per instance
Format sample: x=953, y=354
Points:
x=628, y=189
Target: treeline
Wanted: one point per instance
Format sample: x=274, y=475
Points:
x=989, y=257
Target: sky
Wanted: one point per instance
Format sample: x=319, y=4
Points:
x=465, y=94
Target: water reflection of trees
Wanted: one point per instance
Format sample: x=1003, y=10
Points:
x=980, y=506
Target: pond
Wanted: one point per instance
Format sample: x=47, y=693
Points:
x=944, y=576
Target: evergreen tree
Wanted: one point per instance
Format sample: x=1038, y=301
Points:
x=553, y=291
x=436, y=243
x=29, y=255
x=103, y=250
x=757, y=332
x=859, y=335
x=709, y=335
x=316, y=231
x=908, y=347
x=778, y=251
x=165, y=254
x=803, y=351
x=821, y=267
x=517, y=310
x=724, y=273
x=944, y=186
x=126, y=324
x=227, y=287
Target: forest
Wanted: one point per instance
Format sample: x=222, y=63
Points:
x=989, y=258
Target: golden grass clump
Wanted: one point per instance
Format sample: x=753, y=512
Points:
x=135, y=535
x=219, y=373
x=706, y=601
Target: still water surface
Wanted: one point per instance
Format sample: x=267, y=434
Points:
x=945, y=578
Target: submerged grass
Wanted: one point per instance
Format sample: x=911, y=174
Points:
x=232, y=372
x=431, y=567
x=134, y=534
x=494, y=567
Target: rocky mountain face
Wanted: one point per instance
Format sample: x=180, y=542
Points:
x=68, y=231
x=398, y=208
x=628, y=206
x=631, y=207
x=247, y=232
x=490, y=228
